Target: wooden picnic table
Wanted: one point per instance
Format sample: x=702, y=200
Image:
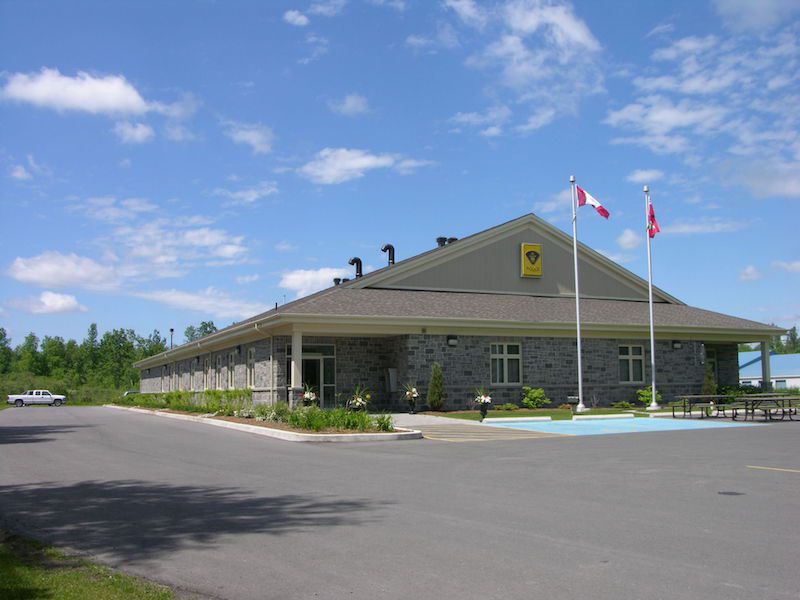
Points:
x=711, y=405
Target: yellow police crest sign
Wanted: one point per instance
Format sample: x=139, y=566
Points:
x=531, y=260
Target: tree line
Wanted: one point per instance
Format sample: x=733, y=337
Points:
x=786, y=344
x=105, y=361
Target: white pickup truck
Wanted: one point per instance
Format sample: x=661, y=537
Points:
x=37, y=397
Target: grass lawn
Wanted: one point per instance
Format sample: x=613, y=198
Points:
x=30, y=570
x=557, y=414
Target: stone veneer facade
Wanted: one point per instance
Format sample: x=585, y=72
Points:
x=549, y=363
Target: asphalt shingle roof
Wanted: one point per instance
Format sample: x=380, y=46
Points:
x=372, y=302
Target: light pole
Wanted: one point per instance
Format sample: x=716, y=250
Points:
x=171, y=331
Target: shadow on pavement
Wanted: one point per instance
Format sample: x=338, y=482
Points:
x=138, y=520
x=27, y=434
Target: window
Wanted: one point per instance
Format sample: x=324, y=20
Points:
x=750, y=383
x=207, y=374
x=180, y=377
x=164, y=381
x=506, y=364
x=192, y=368
x=218, y=373
x=631, y=364
x=251, y=367
x=780, y=384
x=231, y=369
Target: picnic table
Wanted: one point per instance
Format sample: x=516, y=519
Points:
x=773, y=405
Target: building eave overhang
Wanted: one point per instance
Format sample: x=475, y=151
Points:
x=398, y=325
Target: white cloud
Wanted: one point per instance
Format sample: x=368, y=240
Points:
x=296, y=18
x=755, y=15
x=629, y=239
x=617, y=257
x=766, y=179
x=108, y=208
x=245, y=279
x=248, y=195
x=307, y=281
x=284, y=246
x=110, y=94
x=180, y=133
x=210, y=301
x=133, y=133
x=259, y=137
x=337, y=165
x=125, y=163
x=53, y=269
x=445, y=37
x=644, y=175
x=565, y=30
x=318, y=46
x=398, y=5
x=327, y=8
x=350, y=106
x=492, y=131
x=494, y=115
x=661, y=29
x=20, y=173
x=703, y=226
x=750, y=273
x=469, y=12
x=559, y=203
x=792, y=267
x=49, y=303
x=537, y=120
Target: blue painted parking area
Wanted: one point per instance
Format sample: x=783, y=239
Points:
x=609, y=426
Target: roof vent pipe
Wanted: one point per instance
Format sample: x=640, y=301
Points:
x=345, y=279
x=390, y=249
x=337, y=280
x=451, y=240
x=357, y=262
x=441, y=241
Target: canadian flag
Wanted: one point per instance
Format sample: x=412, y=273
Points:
x=652, y=224
x=585, y=197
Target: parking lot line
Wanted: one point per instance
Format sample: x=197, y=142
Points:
x=773, y=469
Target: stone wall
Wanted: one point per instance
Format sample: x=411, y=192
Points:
x=549, y=363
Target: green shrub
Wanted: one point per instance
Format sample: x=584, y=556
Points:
x=508, y=406
x=384, y=423
x=534, y=398
x=622, y=404
x=645, y=396
x=436, y=388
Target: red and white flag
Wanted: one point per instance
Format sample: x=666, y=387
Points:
x=652, y=224
x=585, y=197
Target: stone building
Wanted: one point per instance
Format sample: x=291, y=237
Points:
x=495, y=309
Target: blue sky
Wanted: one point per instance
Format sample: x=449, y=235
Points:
x=166, y=163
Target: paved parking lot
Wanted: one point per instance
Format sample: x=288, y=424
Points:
x=231, y=515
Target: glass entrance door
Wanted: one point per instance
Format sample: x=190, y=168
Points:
x=312, y=375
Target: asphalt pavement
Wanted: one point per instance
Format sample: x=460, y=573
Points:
x=225, y=514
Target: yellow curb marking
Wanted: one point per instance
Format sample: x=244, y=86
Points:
x=773, y=469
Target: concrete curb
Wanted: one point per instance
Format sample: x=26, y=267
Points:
x=289, y=436
x=491, y=420
x=598, y=417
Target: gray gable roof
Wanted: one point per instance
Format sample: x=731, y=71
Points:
x=372, y=302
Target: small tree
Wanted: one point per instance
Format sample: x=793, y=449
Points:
x=436, y=388
x=709, y=385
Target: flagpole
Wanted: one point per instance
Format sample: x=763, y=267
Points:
x=581, y=406
x=653, y=399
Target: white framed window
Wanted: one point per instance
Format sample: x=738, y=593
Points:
x=192, y=370
x=179, y=377
x=506, y=364
x=218, y=373
x=780, y=384
x=251, y=367
x=207, y=374
x=164, y=380
x=631, y=364
x=231, y=369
